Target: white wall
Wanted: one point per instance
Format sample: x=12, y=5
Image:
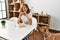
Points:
x=51, y=7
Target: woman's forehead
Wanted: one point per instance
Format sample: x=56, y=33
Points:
x=24, y=6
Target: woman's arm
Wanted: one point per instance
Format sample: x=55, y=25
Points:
x=29, y=20
x=19, y=18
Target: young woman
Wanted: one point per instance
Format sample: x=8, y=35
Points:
x=25, y=15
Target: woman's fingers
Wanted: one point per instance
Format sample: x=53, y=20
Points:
x=23, y=13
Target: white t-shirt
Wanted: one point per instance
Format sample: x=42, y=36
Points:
x=24, y=18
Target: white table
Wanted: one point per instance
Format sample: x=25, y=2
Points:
x=13, y=32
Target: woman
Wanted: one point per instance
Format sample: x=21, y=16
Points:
x=25, y=15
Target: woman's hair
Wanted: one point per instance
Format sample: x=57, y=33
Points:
x=28, y=10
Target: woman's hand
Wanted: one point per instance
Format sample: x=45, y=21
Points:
x=19, y=21
x=22, y=13
x=30, y=21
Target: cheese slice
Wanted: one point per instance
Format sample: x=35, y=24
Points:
x=21, y=25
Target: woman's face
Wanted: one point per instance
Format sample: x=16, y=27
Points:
x=25, y=8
